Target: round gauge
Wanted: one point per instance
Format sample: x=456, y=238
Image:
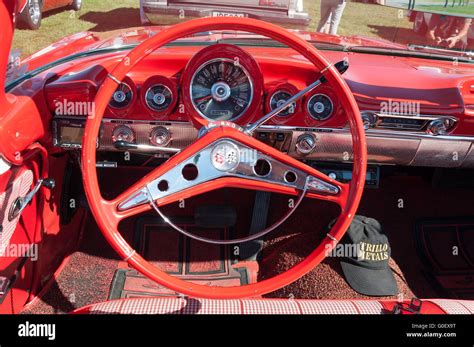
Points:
x=221, y=90
x=222, y=83
x=122, y=96
x=278, y=99
x=159, y=97
x=320, y=107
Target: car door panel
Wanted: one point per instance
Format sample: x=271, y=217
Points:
x=19, y=236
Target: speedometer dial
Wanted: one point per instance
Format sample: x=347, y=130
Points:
x=221, y=89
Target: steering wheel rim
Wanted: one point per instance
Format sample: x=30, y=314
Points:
x=107, y=215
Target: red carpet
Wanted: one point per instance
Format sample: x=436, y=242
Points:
x=88, y=275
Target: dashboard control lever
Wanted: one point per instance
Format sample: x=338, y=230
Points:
x=341, y=66
x=128, y=146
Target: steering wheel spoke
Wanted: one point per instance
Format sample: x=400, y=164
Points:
x=230, y=160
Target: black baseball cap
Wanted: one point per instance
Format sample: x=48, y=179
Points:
x=368, y=271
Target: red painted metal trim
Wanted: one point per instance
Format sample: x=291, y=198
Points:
x=7, y=10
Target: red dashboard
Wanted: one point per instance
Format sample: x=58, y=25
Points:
x=408, y=105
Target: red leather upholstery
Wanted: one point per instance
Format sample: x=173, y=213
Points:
x=171, y=305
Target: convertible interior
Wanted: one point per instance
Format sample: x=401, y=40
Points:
x=215, y=166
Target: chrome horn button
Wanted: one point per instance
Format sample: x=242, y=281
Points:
x=225, y=156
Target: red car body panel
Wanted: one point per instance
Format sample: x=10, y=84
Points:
x=47, y=4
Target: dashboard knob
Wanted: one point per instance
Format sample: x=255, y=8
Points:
x=440, y=126
x=123, y=133
x=369, y=119
x=305, y=143
x=160, y=136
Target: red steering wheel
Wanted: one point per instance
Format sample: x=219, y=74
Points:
x=163, y=185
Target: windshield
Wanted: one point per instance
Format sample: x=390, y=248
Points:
x=438, y=27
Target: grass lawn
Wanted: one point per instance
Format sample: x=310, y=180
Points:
x=104, y=15
x=95, y=15
x=465, y=10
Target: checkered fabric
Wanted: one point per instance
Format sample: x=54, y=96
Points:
x=274, y=306
x=368, y=306
x=327, y=307
x=20, y=187
x=455, y=306
x=169, y=305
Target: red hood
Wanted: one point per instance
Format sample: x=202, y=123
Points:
x=86, y=40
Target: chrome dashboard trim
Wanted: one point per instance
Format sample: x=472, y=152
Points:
x=385, y=147
x=425, y=118
x=370, y=132
x=182, y=133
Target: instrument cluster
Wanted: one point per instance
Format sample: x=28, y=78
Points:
x=221, y=82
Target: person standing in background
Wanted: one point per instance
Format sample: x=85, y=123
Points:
x=331, y=13
x=448, y=31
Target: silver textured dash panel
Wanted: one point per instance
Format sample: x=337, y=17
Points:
x=337, y=146
x=182, y=134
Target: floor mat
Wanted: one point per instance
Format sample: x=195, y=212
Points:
x=85, y=278
x=326, y=281
x=447, y=250
x=185, y=258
